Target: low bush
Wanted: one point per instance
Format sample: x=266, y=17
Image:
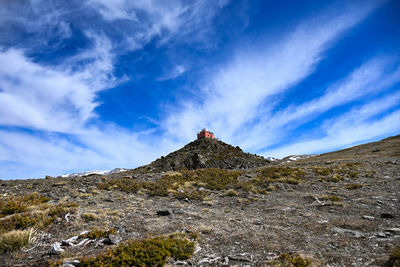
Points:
x=146, y=252
x=331, y=198
x=324, y=171
x=292, y=260
x=88, y=217
x=99, y=233
x=39, y=219
x=353, y=186
x=277, y=174
x=16, y=204
x=394, y=259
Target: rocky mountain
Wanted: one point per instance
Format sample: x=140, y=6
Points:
x=94, y=172
x=206, y=153
x=334, y=209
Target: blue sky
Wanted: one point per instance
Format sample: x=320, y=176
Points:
x=109, y=84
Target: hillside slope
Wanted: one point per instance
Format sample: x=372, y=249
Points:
x=206, y=153
x=335, y=209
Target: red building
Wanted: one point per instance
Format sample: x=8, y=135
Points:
x=205, y=134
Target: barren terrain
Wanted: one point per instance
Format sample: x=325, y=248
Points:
x=335, y=209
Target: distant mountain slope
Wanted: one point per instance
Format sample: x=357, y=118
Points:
x=388, y=147
x=380, y=151
x=206, y=153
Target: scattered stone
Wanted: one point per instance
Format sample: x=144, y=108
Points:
x=120, y=229
x=380, y=234
x=108, y=199
x=112, y=240
x=179, y=211
x=84, y=233
x=84, y=242
x=163, y=212
x=70, y=241
x=71, y=263
x=393, y=230
x=352, y=232
x=81, y=190
x=386, y=216
x=367, y=217
x=56, y=248
x=66, y=217
x=226, y=260
x=202, y=261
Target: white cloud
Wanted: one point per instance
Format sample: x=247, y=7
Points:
x=235, y=95
x=351, y=128
x=372, y=77
x=56, y=100
x=176, y=72
x=61, y=98
x=104, y=147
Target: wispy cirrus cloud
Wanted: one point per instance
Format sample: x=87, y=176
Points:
x=47, y=115
x=241, y=93
x=63, y=132
x=372, y=77
x=352, y=128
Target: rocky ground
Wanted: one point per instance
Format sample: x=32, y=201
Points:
x=335, y=209
x=206, y=153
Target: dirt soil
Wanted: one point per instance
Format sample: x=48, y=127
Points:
x=344, y=212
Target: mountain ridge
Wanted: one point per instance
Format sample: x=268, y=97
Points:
x=206, y=153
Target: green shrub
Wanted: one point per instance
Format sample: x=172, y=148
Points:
x=394, y=260
x=88, y=217
x=293, y=260
x=39, y=219
x=146, y=252
x=331, y=198
x=16, y=204
x=324, y=171
x=24, y=221
x=277, y=174
x=124, y=184
x=98, y=233
x=353, y=186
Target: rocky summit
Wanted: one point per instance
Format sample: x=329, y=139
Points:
x=206, y=153
x=210, y=204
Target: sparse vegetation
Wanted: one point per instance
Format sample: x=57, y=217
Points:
x=291, y=260
x=324, y=171
x=394, y=259
x=331, y=198
x=146, y=252
x=277, y=174
x=16, y=240
x=37, y=218
x=353, y=186
x=99, y=233
x=188, y=183
x=16, y=204
x=88, y=217
x=231, y=193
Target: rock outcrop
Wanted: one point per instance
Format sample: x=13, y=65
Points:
x=206, y=153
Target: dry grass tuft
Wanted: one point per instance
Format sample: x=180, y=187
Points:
x=16, y=240
x=17, y=204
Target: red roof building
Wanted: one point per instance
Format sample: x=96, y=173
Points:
x=205, y=134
